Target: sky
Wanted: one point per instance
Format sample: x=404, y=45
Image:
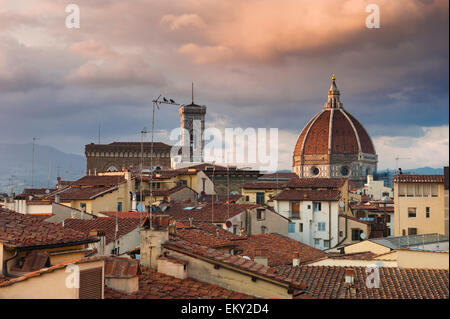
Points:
x=254, y=63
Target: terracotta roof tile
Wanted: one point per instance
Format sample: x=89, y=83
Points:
x=217, y=212
x=242, y=263
x=316, y=183
x=154, y=285
x=20, y=230
x=309, y=195
x=418, y=178
x=116, y=267
x=264, y=185
x=104, y=224
x=328, y=282
x=278, y=249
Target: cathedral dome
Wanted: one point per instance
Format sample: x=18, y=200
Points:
x=333, y=135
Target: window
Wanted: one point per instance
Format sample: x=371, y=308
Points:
x=309, y=206
x=260, y=198
x=345, y=171
x=402, y=189
x=356, y=234
x=119, y=206
x=411, y=212
x=295, y=210
x=203, y=184
x=317, y=207
x=91, y=283
x=263, y=229
x=183, y=182
x=316, y=242
x=321, y=226
x=83, y=207
x=426, y=190
x=247, y=198
x=341, y=234
x=291, y=228
x=388, y=218
x=434, y=190
x=326, y=244
x=234, y=229
x=412, y=231
x=360, y=214
x=300, y=227
x=427, y=210
x=315, y=171
x=418, y=190
x=410, y=190
x=260, y=214
x=158, y=185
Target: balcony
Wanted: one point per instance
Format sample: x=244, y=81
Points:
x=294, y=215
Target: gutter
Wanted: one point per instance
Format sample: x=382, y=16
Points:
x=5, y=265
x=58, y=245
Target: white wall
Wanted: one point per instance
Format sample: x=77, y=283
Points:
x=310, y=222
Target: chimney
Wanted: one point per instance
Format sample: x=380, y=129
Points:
x=154, y=233
x=190, y=221
x=349, y=276
x=133, y=202
x=296, y=259
x=57, y=198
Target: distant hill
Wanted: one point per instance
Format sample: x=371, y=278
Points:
x=15, y=160
x=425, y=171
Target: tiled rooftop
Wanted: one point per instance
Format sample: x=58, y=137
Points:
x=217, y=212
x=308, y=195
x=219, y=198
x=81, y=193
x=155, y=285
x=265, y=185
x=278, y=249
x=316, y=183
x=104, y=180
x=328, y=282
x=104, y=224
x=237, y=262
x=116, y=267
x=418, y=178
x=20, y=230
x=164, y=192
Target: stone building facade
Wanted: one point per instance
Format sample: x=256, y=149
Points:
x=118, y=155
x=334, y=144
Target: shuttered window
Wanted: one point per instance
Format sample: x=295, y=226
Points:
x=91, y=283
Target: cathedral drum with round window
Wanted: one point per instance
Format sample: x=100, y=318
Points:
x=334, y=144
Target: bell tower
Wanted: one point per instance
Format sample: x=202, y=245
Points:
x=192, y=123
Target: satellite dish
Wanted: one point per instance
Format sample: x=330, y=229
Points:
x=228, y=224
x=140, y=208
x=363, y=236
x=341, y=204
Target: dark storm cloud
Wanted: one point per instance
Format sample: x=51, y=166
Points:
x=256, y=64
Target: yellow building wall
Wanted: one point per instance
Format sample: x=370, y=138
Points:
x=433, y=224
x=233, y=280
x=46, y=286
x=422, y=259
